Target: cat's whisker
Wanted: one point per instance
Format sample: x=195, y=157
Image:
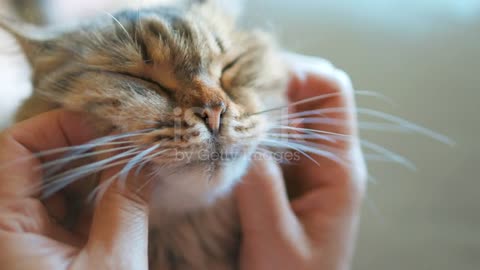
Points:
x=100, y=190
x=298, y=129
x=121, y=25
x=261, y=151
x=134, y=162
x=150, y=180
x=66, y=160
x=377, y=95
x=319, y=150
x=386, y=153
x=341, y=123
x=378, y=158
x=302, y=149
x=384, y=127
x=58, y=182
x=308, y=100
x=394, y=157
x=42, y=187
x=316, y=112
x=373, y=113
x=322, y=97
x=56, y=151
x=149, y=159
x=266, y=155
x=302, y=136
x=97, y=143
x=407, y=124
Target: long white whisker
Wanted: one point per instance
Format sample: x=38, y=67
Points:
x=417, y=128
x=390, y=154
x=112, y=165
x=95, y=143
x=145, y=184
x=308, y=100
x=134, y=162
x=120, y=24
x=149, y=159
x=303, y=136
x=68, y=159
x=56, y=183
x=303, y=149
x=372, y=146
x=54, y=152
x=384, y=98
x=388, y=117
x=321, y=97
x=98, y=192
x=309, y=130
x=362, y=125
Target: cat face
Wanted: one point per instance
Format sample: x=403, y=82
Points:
x=184, y=82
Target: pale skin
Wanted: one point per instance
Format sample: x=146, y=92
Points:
x=314, y=229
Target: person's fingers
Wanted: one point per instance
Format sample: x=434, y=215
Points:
x=336, y=119
x=19, y=173
x=119, y=228
x=54, y=129
x=28, y=215
x=335, y=110
x=327, y=194
x=268, y=223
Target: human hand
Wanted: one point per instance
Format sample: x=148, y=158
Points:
x=117, y=234
x=316, y=229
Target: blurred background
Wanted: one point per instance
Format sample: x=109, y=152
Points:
x=425, y=56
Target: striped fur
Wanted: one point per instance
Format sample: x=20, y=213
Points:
x=130, y=71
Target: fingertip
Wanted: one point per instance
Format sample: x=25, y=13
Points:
x=262, y=197
x=120, y=220
x=53, y=129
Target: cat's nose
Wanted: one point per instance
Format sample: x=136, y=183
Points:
x=213, y=116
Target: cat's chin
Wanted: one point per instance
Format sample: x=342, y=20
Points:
x=196, y=186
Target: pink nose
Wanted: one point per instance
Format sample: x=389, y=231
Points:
x=213, y=116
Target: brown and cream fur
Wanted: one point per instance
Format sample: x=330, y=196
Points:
x=148, y=68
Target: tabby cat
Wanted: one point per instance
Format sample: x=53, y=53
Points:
x=182, y=84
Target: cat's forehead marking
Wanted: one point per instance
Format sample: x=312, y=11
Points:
x=163, y=74
x=169, y=46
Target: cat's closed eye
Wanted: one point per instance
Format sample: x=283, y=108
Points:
x=148, y=80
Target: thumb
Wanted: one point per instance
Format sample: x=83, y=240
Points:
x=265, y=213
x=119, y=232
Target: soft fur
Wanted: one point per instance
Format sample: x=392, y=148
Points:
x=156, y=68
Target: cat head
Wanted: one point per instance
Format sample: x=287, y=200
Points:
x=183, y=80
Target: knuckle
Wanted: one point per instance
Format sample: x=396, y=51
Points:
x=30, y=207
x=10, y=224
x=26, y=215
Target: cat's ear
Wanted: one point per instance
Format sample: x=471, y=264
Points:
x=36, y=43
